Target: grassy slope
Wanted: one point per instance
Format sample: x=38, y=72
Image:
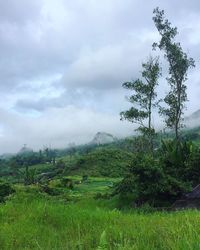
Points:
x=33, y=221
x=110, y=162
x=88, y=189
x=30, y=220
x=41, y=224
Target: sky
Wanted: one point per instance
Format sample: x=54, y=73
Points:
x=63, y=62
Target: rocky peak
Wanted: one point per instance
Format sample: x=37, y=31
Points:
x=103, y=138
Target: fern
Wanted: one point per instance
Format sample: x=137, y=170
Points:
x=103, y=244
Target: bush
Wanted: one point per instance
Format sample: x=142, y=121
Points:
x=192, y=169
x=84, y=178
x=145, y=180
x=67, y=182
x=174, y=157
x=49, y=190
x=60, y=164
x=5, y=190
x=102, y=196
x=157, y=181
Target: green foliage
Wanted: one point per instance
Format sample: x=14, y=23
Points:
x=192, y=167
x=179, y=63
x=181, y=160
x=60, y=164
x=4, y=169
x=102, y=161
x=105, y=160
x=174, y=156
x=30, y=158
x=143, y=99
x=67, y=182
x=84, y=178
x=5, y=190
x=103, y=244
x=148, y=182
x=30, y=221
x=29, y=175
x=191, y=136
x=49, y=190
x=161, y=180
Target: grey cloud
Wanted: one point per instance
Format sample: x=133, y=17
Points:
x=56, y=127
x=90, y=48
x=53, y=41
x=19, y=12
x=106, y=68
x=108, y=102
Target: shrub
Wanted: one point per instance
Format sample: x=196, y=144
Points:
x=192, y=168
x=60, y=164
x=67, y=182
x=49, y=190
x=155, y=180
x=174, y=156
x=84, y=178
x=5, y=190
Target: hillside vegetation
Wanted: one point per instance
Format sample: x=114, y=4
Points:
x=31, y=220
x=109, y=162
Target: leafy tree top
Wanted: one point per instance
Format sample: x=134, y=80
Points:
x=179, y=63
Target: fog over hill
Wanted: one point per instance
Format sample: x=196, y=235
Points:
x=103, y=138
x=193, y=120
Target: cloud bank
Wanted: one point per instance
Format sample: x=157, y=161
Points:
x=63, y=63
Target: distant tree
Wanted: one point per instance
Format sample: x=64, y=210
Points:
x=46, y=153
x=53, y=156
x=28, y=175
x=179, y=63
x=144, y=99
x=71, y=149
x=50, y=155
x=14, y=166
x=60, y=164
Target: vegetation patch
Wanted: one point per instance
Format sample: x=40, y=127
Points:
x=5, y=190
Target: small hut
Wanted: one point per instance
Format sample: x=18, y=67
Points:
x=189, y=200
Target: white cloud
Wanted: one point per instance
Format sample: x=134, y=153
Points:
x=63, y=62
x=57, y=127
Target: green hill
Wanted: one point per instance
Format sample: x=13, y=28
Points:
x=111, y=162
x=110, y=159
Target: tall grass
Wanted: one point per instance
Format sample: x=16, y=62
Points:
x=33, y=222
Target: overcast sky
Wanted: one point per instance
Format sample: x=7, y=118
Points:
x=62, y=64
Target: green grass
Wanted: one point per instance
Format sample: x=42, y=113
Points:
x=31, y=220
x=88, y=189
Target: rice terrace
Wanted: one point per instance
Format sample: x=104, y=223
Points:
x=100, y=125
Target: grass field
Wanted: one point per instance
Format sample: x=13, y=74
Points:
x=32, y=220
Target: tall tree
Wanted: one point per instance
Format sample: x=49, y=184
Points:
x=179, y=63
x=143, y=99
